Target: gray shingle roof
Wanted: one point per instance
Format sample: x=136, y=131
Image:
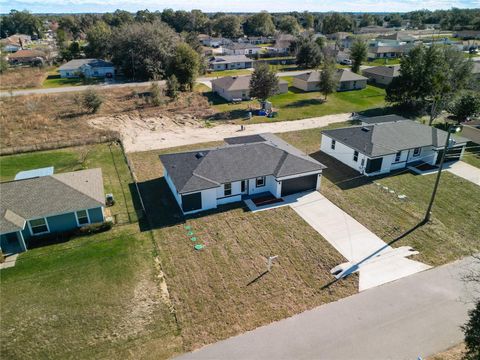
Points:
x=343, y=75
x=226, y=59
x=190, y=172
x=77, y=63
x=237, y=82
x=49, y=195
x=390, y=137
x=387, y=71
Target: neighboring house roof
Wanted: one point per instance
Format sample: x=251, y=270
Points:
x=383, y=119
x=390, y=137
x=49, y=195
x=27, y=54
x=244, y=158
x=237, y=82
x=343, y=75
x=241, y=46
x=387, y=49
x=225, y=59
x=387, y=71
x=77, y=63
x=398, y=36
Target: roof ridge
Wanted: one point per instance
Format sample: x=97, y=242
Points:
x=54, y=176
x=204, y=177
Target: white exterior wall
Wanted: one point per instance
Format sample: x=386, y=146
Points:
x=352, y=85
x=69, y=73
x=172, y=187
x=342, y=153
x=428, y=155
x=271, y=185
x=98, y=72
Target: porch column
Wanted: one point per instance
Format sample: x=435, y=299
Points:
x=22, y=240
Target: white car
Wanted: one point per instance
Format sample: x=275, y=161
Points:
x=346, y=62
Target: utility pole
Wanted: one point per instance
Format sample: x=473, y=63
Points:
x=451, y=129
x=270, y=260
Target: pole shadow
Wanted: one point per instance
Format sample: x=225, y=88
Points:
x=258, y=278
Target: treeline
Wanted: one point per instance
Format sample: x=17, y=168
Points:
x=233, y=25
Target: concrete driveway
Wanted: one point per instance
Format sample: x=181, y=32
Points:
x=466, y=171
x=376, y=262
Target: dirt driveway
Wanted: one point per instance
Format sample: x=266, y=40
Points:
x=142, y=134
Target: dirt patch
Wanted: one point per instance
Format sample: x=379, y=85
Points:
x=22, y=78
x=454, y=353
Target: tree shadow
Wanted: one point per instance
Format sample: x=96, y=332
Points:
x=305, y=102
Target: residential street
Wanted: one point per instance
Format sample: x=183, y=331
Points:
x=415, y=316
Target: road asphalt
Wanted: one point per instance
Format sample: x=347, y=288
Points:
x=419, y=315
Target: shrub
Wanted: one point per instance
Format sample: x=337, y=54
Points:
x=95, y=228
x=172, y=87
x=92, y=100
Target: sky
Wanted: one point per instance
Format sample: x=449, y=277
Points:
x=99, y=6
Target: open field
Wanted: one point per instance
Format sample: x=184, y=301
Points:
x=95, y=296
x=22, y=78
x=453, y=232
x=61, y=117
x=297, y=104
x=109, y=157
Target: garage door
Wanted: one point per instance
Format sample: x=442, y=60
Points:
x=299, y=184
x=192, y=202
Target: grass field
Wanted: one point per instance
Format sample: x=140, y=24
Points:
x=94, y=297
x=116, y=176
x=297, y=104
x=54, y=80
x=222, y=73
x=453, y=232
x=472, y=154
x=22, y=78
x=379, y=62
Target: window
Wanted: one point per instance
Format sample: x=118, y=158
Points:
x=333, y=145
x=82, y=217
x=38, y=226
x=260, y=181
x=355, y=156
x=227, y=189
x=417, y=151
x=397, y=156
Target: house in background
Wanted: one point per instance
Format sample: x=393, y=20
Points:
x=399, y=36
x=236, y=88
x=382, y=75
x=214, y=42
x=248, y=166
x=23, y=57
x=385, y=146
x=230, y=62
x=348, y=80
x=88, y=68
x=241, y=49
x=37, y=204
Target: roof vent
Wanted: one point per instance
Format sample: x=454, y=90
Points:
x=365, y=129
x=199, y=155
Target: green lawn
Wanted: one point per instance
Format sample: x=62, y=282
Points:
x=54, y=80
x=222, y=73
x=93, y=297
x=472, y=154
x=107, y=157
x=454, y=232
x=378, y=62
x=297, y=104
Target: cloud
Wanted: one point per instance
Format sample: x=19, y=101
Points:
x=237, y=6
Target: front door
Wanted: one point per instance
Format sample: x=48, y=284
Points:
x=243, y=186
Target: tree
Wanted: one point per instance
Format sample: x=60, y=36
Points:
x=92, y=100
x=429, y=79
x=309, y=54
x=395, y=21
x=336, y=22
x=185, y=65
x=264, y=82
x=288, y=24
x=155, y=94
x=20, y=22
x=328, y=78
x=472, y=333
x=358, y=53
x=144, y=50
x=3, y=65
x=260, y=24
x=98, y=38
x=466, y=106
x=172, y=87
x=309, y=20
x=228, y=26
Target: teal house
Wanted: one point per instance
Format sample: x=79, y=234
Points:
x=50, y=204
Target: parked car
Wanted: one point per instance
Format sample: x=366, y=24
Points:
x=346, y=62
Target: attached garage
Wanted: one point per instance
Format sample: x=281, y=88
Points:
x=296, y=185
x=192, y=202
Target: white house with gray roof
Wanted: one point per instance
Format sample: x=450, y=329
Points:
x=233, y=88
x=88, y=67
x=230, y=62
x=40, y=205
x=384, y=146
x=347, y=80
x=248, y=166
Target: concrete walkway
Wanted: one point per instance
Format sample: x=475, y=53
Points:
x=9, y=261
x=415, y=316
x=466, y=171
x=376, y=262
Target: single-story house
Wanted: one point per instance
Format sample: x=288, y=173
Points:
x=233, y=88
x=88, y=67
x=49, y=204
x=382, y=147
x=382, y=75
x=27, y=57
x=373, y=29
x=248, y=166
x=11, y=47
x=282, y=44
x=386, y=51
x=241, y=49
x=254, y=40
x=230, y=62
x=398, y=36
x=468, y=34
x=348, y=80
x=214, y=42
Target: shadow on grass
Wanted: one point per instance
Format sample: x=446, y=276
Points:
x=305, y=102
x=295, y=90
x=230, y=115
x=214, y=99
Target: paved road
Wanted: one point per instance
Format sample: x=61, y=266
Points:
x=109, y=86
x=414, y=316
